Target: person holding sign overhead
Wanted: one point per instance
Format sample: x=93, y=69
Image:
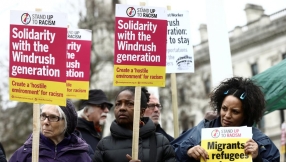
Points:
x=118, y=147
x=239, y=102
x=57, y=140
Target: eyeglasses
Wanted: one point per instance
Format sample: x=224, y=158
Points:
x=102, y=106
x=51, y=118
x=152, y=106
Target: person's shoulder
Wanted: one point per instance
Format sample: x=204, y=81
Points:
x=75, y=139
x=261, y=138
x=21, y=154
x=83, y=124
x=159, y=129
x=258, y=135
x=161, y=139
x=106, y=139
x=106, y=143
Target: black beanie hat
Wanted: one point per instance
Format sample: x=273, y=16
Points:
x=71, y=116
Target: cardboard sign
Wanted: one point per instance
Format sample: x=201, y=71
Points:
x=37, y=57
x=140, y=46
x=226, y=144
x=180, y=55
x=78, y=63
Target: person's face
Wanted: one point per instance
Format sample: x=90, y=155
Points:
x=153, y=111
x=231, y=112
x=97, y=114
x=124, y=108
x=52, y=130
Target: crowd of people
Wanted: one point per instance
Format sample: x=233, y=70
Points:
x=67, y=135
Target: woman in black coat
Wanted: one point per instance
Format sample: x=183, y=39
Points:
x=118, y=147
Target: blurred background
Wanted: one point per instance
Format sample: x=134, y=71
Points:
x=257, y=35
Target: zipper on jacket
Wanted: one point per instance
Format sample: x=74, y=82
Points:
x=55, y=152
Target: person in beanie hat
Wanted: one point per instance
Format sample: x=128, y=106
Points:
x=57, y=140
x=92, y=116
x=71, y=117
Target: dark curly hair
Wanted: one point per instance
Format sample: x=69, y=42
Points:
x=251, y=96
x=145, y=95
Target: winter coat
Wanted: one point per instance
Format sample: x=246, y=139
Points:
x=70, y=149
x=2, y=154
x=90, y=150
x=268, y=152
x=88, y=132
x=159, y=129
x=115, y=147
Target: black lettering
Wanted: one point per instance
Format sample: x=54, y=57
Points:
x=74, y=36
x=47, y=22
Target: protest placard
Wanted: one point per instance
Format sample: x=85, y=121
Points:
x=180, y=56
x=78, y=63
x=226, y=144
x=140, y=46
x=37, y=57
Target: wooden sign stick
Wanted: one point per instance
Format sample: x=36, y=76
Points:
x=136, y=118
x=36, y=126
x=174, y=100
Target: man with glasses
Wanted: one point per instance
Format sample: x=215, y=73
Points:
x=153, y=111
x=92, y=116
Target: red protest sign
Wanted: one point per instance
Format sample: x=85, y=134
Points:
x=140, y=46
x=37, y=51
x=78, y=63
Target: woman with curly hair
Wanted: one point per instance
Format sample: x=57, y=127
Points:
x=118, y=146
x=238, y=102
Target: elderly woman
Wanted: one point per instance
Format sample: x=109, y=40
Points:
x=118, y=146
x=57, y=141
x=239, y=102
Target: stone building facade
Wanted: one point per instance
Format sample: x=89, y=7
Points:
x=255, y=47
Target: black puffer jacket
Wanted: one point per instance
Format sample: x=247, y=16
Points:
x=115, y=147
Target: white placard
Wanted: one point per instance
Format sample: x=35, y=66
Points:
x=180, y=55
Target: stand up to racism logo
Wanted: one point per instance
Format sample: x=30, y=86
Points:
x=215, y=133
x=131, y=11
x=25, y=18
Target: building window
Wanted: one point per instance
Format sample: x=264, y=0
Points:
x=254, y=69
x=283, y=56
